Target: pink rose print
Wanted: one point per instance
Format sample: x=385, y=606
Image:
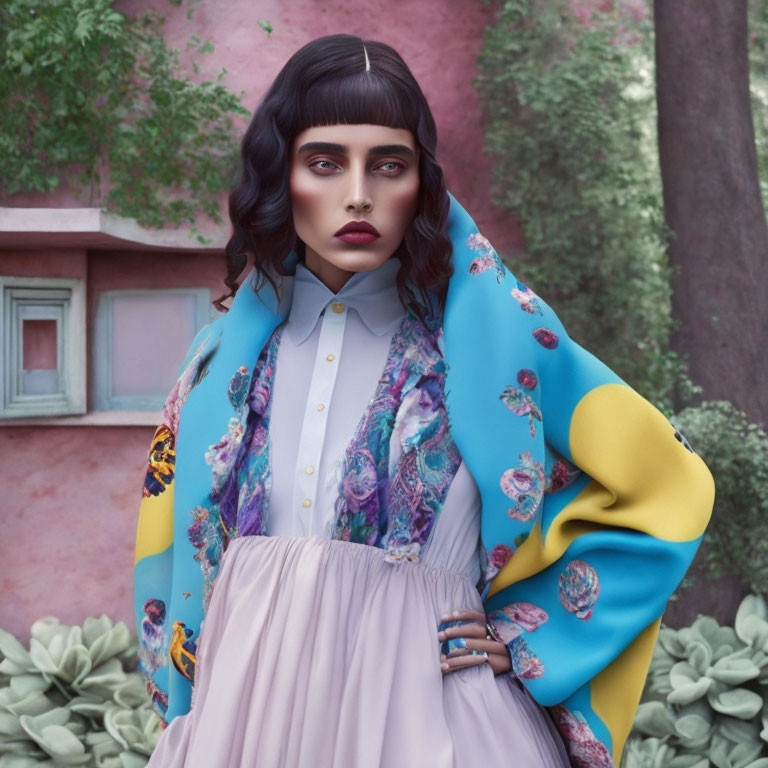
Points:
x=584, y=748
x=514, y=619
x=500, y=555
x=497, y=559
x=488, y=258
x=521, y=404
x=525, y=484
x=527, y=299
x=562, y=475
x=578, y=588
x=527, y=378
x=546, y=338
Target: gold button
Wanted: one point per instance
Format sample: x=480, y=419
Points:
x=330, y=356
x=310, y=469
x=320, y=406
x=337, y=307
x=306, y=502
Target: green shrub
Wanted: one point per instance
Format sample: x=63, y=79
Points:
x=736, y=452
x=571, y=127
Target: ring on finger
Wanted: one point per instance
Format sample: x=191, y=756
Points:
x=492, y=633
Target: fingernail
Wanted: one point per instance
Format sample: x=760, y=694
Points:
x=445, y=617
x=456, y=614
x=444, y=666
x=441, y=635
x=442, y=657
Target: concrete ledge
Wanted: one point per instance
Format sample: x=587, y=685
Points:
x=92, y=419
x=95, y=229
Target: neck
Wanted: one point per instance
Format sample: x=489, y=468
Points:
x=329, y=274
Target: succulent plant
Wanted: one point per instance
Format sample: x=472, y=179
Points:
x=704, y=702
x=74, y=698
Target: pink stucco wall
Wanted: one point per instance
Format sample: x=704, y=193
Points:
x=70, y=494
x=70, y=501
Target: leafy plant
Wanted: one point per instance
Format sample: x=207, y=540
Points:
x=704, y=700
x=74, y=697
x=86, y=93
x=571, y=125
x=736, y=452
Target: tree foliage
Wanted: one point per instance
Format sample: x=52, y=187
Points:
x=86, y=93
x=570, y=125
x=736, y=452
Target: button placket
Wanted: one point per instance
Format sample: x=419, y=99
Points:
x=316, y=416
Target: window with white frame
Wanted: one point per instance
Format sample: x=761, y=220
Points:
x=42, y=329
x=141, y=338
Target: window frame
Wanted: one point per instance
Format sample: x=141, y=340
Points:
x=102, y=348
x=16, y=293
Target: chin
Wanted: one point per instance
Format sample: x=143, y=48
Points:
x=357, y=261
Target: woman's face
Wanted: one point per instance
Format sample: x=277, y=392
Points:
x=352, y=173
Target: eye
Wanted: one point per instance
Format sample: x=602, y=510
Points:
x=397, y=166
x=315, y=162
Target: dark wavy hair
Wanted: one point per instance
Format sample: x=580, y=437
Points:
x=326, y=83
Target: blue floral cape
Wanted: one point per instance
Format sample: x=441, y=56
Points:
x=593, y=503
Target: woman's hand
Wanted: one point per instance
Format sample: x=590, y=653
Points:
x=471, y=635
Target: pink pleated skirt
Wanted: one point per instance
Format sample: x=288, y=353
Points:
x=318, y=653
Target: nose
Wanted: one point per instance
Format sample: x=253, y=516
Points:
x=358, y=197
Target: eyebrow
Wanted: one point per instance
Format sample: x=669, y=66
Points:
x=383, y=149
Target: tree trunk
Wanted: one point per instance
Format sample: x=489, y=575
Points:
x=712, y=199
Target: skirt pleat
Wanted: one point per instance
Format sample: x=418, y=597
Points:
x=318, y=652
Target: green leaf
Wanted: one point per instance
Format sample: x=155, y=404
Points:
x=740, y=702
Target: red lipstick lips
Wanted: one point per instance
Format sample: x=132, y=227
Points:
x=358, y=233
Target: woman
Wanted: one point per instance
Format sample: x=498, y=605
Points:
x=423, y=525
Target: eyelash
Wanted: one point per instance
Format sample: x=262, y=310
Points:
x=389, y=162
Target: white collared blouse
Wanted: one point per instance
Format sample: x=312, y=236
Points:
x=331, y=355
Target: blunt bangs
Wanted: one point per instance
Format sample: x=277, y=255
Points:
x=357, y=98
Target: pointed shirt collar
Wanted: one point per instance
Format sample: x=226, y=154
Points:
x=372, y=293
